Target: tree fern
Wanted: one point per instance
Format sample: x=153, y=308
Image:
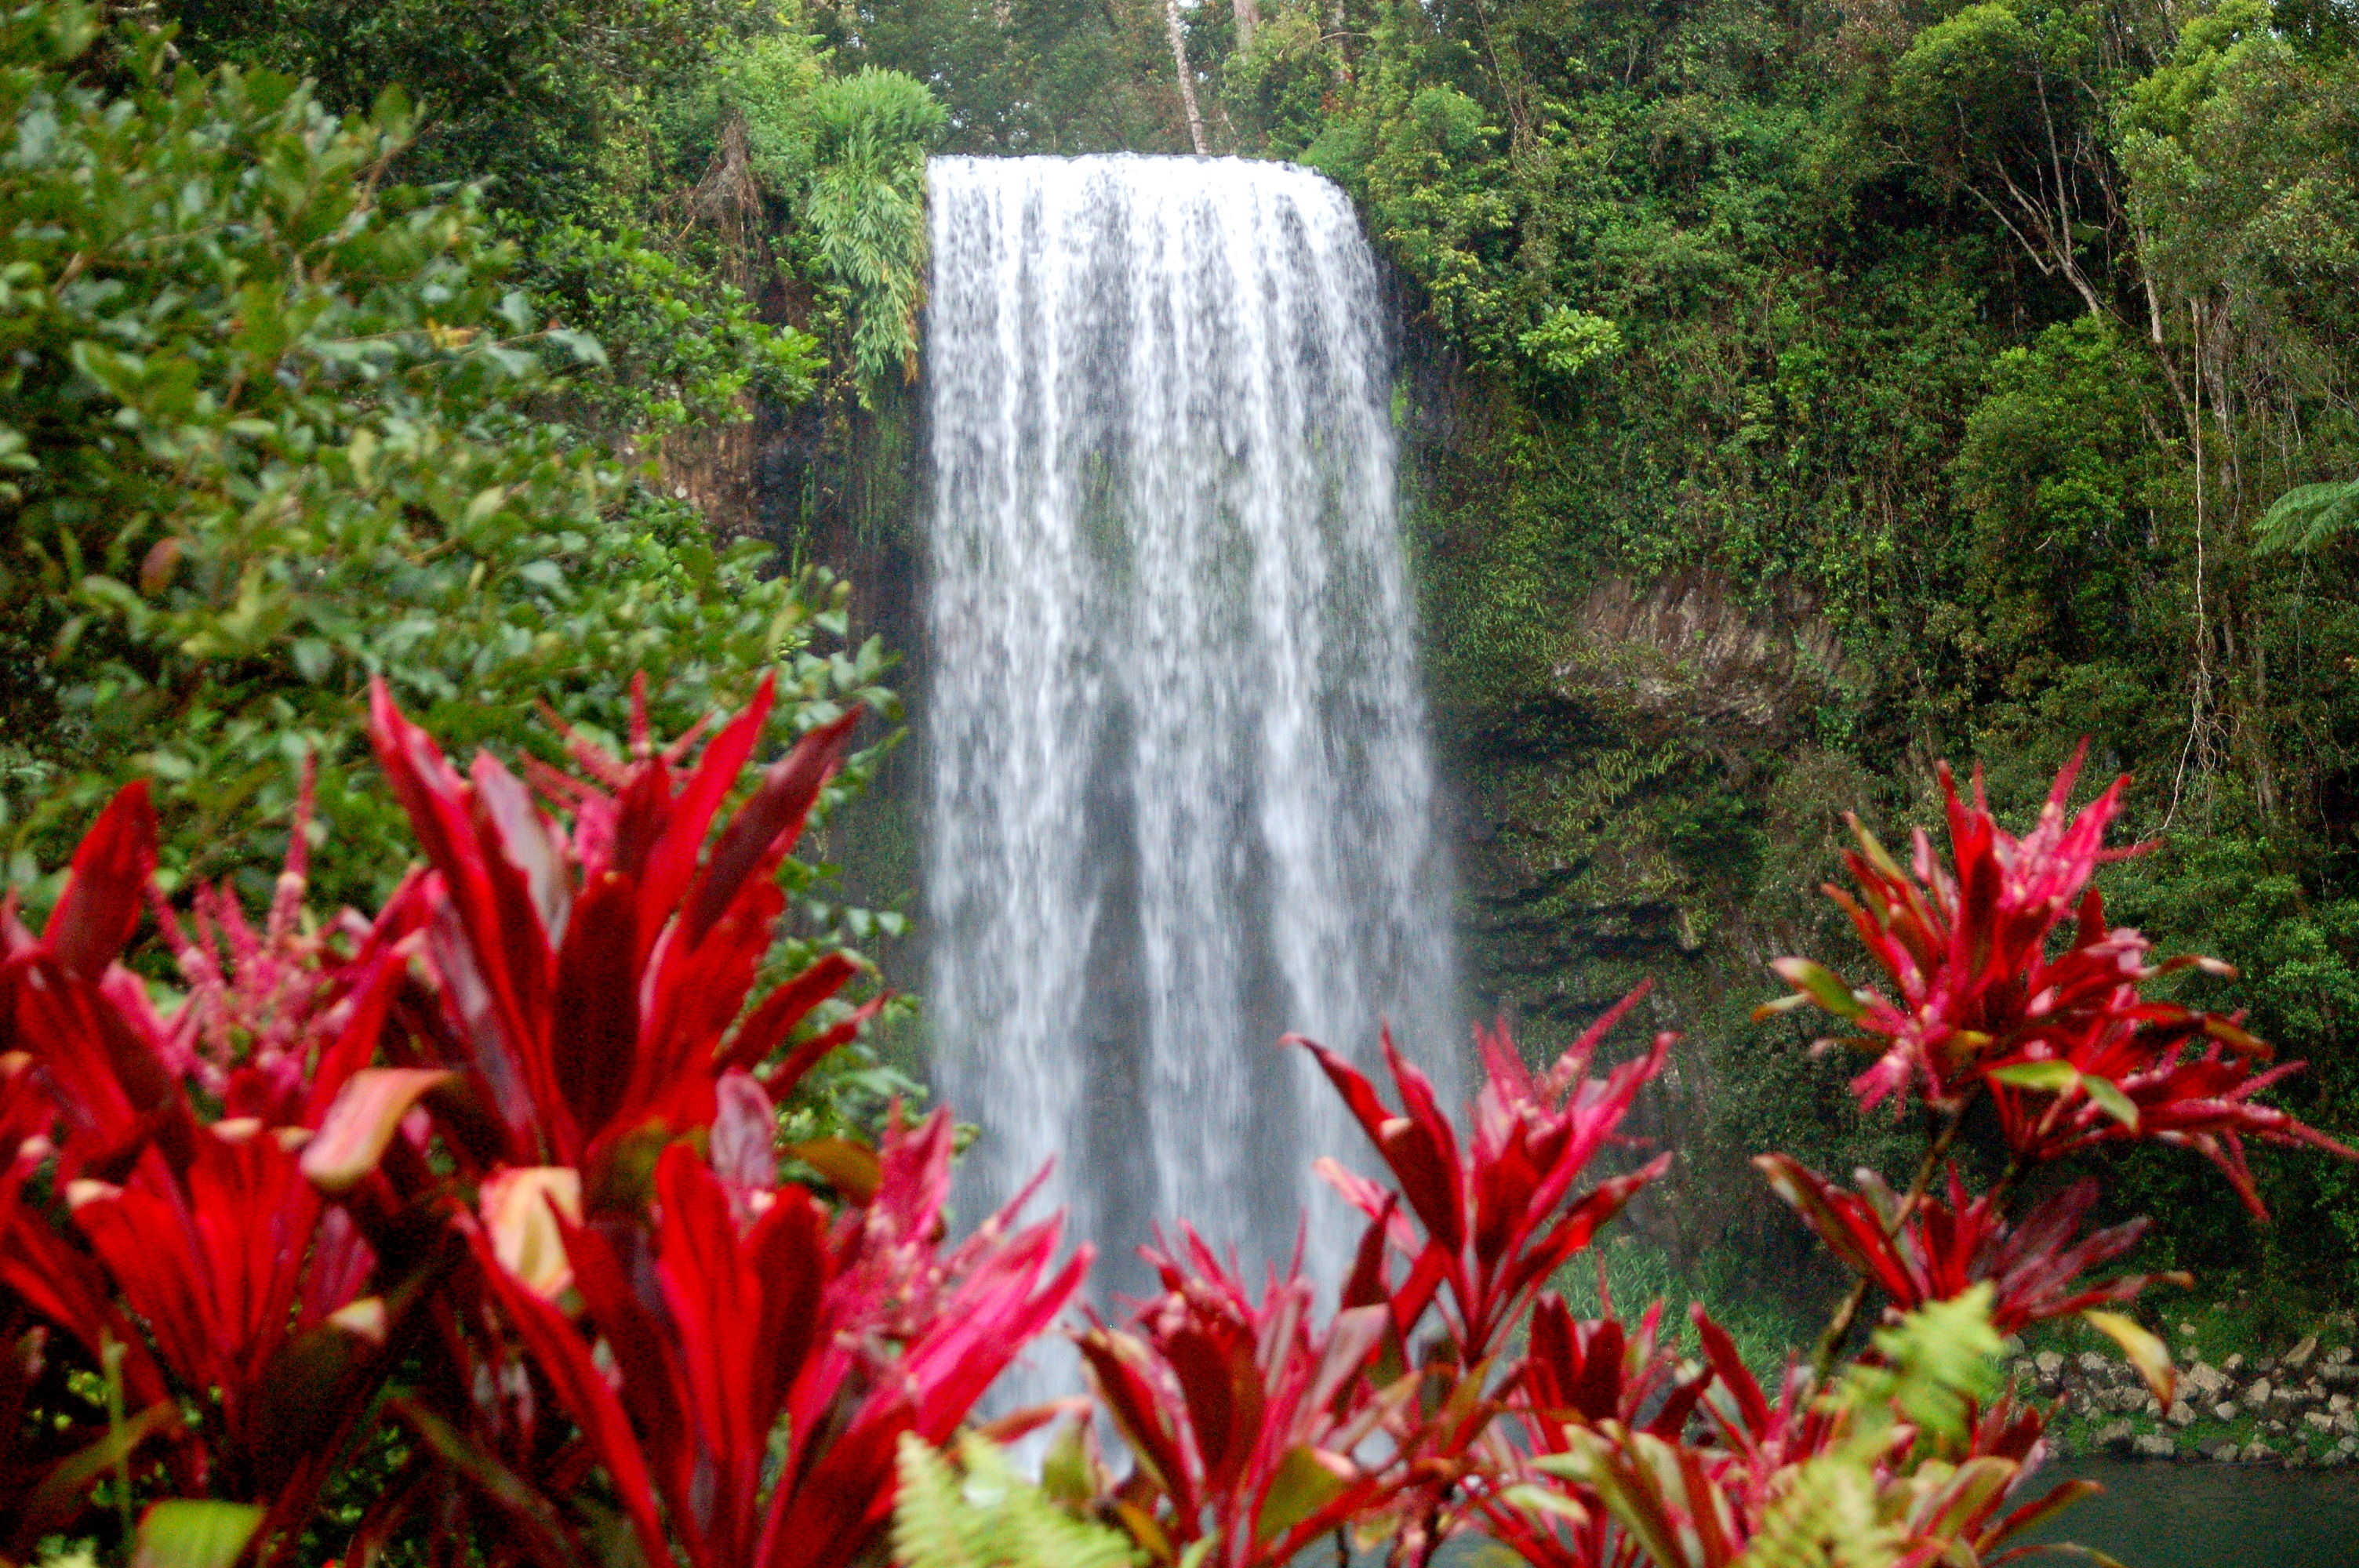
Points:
x=2308, y=516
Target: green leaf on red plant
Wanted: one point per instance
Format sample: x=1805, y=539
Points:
x=2144, y=1351
x=2111, y=1100
x=188, y=1533
x=2048, y=1078
x=849, y=1168
x=1307, y=1479
x=1822, y=985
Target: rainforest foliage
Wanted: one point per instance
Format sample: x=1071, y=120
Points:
x=1802, y=391
x=1796, y=393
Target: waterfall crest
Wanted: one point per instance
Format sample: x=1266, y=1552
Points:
x=1180, y=799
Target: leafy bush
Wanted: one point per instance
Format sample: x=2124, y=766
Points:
x=273, y=426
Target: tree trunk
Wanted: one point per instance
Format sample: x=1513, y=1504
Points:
x=1187, y=76
x=1247, y=14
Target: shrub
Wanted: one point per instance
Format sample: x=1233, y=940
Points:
x=272, y=426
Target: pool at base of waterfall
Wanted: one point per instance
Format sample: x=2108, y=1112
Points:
x=2210, y=1515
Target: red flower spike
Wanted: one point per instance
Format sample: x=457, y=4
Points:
x=1498, y=1219
x=593, y=979
x=2069, y=1051
x=2034, y=1265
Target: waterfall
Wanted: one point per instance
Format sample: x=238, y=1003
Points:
x=1180, y=794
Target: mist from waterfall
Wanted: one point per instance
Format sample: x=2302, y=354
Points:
x=1181, y=800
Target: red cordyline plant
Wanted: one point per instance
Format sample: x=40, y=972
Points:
x=516, y=1137
x=1245, y=1420
x=592, y=981
x=1983, y=999
x=194, y=1266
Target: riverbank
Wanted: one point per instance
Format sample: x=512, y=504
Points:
x=2298, y=1406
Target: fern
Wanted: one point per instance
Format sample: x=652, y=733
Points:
x=2309, y=516
x=979, y=1513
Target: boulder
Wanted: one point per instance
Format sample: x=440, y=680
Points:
x=2318, y=1421
x=2226, y=1409
x=2205, y=1381
x=2221, y=1453
x=2233, y=1364
x=2300, y=1356
x=2115, y=1438
x=2337, y=1356
x=2258, y=1394
x=2181, y=1413
x=2257, y=1453
x=2092, y=1365
x=2050, y=1366
x=2154, y=1445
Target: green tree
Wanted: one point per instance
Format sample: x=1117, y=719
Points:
x=273, y=426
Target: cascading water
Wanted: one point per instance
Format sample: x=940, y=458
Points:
x=1179, y=789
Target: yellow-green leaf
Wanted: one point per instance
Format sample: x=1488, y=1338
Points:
x=2149, y=1355
x=188, y=1533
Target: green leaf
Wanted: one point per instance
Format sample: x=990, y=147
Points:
x=2149, y=1355
x=2048, y=1078
x=2108, y=1094
x=1822, y=985
x=314, y=660
x=1308, y=1479
x=188, y=1533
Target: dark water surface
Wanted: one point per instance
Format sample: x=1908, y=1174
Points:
x=2212, y=1516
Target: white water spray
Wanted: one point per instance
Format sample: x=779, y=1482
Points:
x=1180, y=799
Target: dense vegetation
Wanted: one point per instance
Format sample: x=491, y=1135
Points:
x=1799, y=393
x=1803, y=392
x=1798, y=396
